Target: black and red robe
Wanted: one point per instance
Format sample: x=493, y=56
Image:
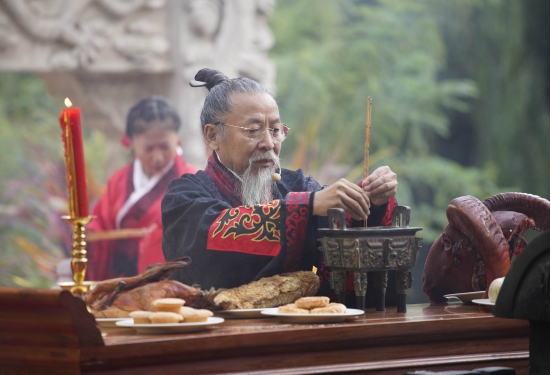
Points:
x=231, y=244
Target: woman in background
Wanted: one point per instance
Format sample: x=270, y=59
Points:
x=134, y=193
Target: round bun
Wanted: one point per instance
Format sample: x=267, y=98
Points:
x=141, y=317
x=165, y=318
x=211, y=77
x=332, y=308
x=192, y=315
x=312, y=302
x=292, y=309
x=168, y=304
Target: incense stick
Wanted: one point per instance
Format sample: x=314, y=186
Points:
x=366, y=151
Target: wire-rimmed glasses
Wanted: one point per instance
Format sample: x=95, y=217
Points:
x=257, y=132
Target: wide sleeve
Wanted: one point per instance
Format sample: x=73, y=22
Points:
x=103, y=212
x=100, y=259
x=231, y=246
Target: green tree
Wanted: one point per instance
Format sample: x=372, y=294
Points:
x=504, y=47
x=460, y=97
x=331, y=57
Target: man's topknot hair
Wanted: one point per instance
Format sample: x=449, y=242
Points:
x=211, y=77
x=217, y=103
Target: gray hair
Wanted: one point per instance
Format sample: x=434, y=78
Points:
x=217, y=103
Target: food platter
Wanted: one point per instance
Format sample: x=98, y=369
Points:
x=109, y=322
x=152, y=329
x=484, y=302
x=313, y=318
x=240, y=313
x=466, y=297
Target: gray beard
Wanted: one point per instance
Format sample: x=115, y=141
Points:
x=256, y=189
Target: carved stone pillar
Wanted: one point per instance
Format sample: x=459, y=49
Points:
x=108, y=54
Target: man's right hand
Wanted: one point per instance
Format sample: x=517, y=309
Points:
x=342, y=194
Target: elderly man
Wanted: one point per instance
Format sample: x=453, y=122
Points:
x=238, y=219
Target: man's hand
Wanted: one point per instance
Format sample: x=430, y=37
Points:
x=381, y=185
x=342, y=194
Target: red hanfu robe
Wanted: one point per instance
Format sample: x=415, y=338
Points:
x=128, y=257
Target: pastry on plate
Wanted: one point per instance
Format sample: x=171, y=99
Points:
x=192, y=315
x=165, y=318
x=332, y=308
x=141, y=317
x=168, y=304
x=292, y=309
x=311, y=302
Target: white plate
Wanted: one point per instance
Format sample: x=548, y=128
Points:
x=485, y=302
x=466, y=297
x=109, y=322
x=240, y=313
x=169, y=328
x=313, y=318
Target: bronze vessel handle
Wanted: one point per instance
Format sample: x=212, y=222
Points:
x=337, y=218
x=400, y=216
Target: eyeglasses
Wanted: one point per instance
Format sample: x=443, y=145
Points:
x=257, y=132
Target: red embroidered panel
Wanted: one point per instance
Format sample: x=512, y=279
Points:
x=297, y=205
x=248, y=229
x=224, y=181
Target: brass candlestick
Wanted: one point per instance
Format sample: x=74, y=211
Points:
x=79, y=262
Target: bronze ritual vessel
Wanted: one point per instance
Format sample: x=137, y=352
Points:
x=374, y=249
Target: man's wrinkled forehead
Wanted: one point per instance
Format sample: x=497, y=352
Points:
x=255, y=108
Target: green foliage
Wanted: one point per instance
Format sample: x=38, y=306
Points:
x=32, y=182
x=331, y=57
x=508, y=56
x=460, y=97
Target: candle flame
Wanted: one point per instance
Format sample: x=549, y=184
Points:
x=68, y=102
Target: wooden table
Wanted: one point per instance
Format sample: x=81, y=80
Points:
x=426, y=337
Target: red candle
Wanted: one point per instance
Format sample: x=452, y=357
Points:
x=69, y=120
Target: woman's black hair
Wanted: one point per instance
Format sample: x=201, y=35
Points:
x=148, y=110
x=217, y=103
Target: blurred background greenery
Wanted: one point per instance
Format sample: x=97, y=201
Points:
x=33, y=187
x=460, y=97
x=460, y=107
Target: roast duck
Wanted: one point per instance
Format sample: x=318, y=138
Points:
x=117, y=298
x=479, y=242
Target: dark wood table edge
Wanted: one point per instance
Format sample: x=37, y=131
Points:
x=408, y=364
x=272, y=343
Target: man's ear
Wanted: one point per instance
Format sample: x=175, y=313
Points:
x=211, y=136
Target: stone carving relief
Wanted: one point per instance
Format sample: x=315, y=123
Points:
x=83, y=34
x=203, y=23
x=8, y=37
x=254, y=61
x=108, y=54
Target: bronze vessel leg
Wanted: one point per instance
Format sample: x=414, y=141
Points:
x=381, y=279
x=360, y=287
x=403, y=282
x=338, y=283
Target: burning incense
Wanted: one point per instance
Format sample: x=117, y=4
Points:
x=366, y=151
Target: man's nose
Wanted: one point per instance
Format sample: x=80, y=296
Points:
x=267, y=142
